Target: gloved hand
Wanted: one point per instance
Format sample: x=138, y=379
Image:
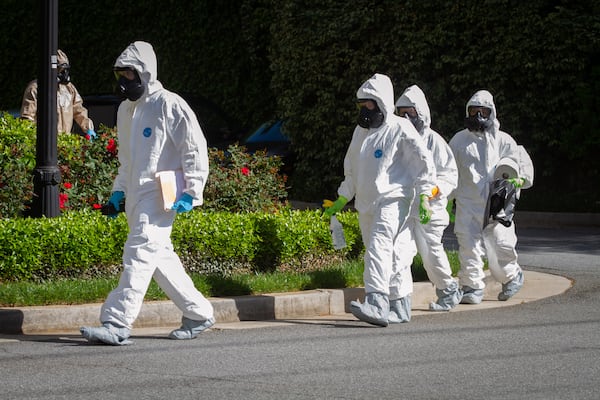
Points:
x=517, y=182
x=184, y=204
x=450, y=209
x=114, y=204
x=115, y=199
x=91, y=134
x=332, y=207
x=434, y=192
x=424, y=209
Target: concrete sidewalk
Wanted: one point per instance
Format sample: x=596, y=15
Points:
x=316, y=306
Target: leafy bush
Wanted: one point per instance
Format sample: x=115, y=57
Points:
x=240, y=181
x=17, y=160
x=237, y=181
x=288, y=240
x=87, y=169
x=76, y=244
x=87, y=244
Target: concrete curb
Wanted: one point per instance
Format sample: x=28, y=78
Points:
x=271, y=307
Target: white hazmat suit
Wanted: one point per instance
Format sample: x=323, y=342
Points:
x=477, y=155
x=157, y=132
x=428, y=237
x=382, y=168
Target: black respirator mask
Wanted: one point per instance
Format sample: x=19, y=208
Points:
x=416, y=121
x=478, y=123
x=131, y=89
x=63, y=75
x=370, y=118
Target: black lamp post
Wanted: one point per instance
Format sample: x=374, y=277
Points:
x=46, y=175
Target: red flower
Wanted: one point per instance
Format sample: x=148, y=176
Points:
x=245, y=171
x=68, y=185
x=96, y=206
x=62, y=200
x=111, y=147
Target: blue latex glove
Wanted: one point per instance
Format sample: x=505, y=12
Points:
x=424, y=209
x=332, y=208
x=184, y=204
x=91, y=134
x=115, y=199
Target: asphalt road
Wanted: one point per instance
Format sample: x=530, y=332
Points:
x=547, y=349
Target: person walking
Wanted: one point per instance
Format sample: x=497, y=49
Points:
x=480, y=150
x=69, y=103
x=413, y=106
x=385, y=165
x=157, y=132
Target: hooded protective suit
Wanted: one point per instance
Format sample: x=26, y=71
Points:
x=477, y=154
x=157, y=132
x=383, y=169
x=428, y=237
x=69, y=104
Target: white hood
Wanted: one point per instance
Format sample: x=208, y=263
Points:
x=413, y=96
x=483, y=98
x=141, y=57
x=380, y=89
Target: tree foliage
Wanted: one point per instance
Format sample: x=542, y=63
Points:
x=538, y=58
x=304, y=61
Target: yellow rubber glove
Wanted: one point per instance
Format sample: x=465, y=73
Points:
x=327, y=203
x=332, y=207
x=434, y=192
x=424, y=209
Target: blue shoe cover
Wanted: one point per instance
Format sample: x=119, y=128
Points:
x=190, y=329
x=107, y=334
x=447, y=298
x=375, y=310
x=400, y=310
x=471, y=296
x=511, y=288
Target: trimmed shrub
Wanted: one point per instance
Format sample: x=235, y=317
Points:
x=75, y=244
x=87, y=244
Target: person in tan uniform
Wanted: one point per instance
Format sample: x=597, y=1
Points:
x=69, y=104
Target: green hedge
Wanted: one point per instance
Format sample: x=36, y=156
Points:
x=539, y=59
x=303, y=61
x=88, y=244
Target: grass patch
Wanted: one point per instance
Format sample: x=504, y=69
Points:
x=80, y=291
